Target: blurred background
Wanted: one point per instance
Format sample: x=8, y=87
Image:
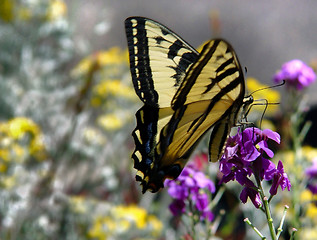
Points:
x=67, y=108
x=264, y=34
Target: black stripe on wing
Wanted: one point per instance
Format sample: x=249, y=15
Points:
x=180, y=97
x=220, y=133
x=139, y=60
x=167, y=134
x=157, y=56
x=144, y=137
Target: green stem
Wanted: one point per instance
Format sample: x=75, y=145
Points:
x=296, y=139
x=294, y=230
x=254, y=228
x=266, y=209
x=280, y=228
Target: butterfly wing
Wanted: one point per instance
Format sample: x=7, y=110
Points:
x=210, y=96
x=159, y=60
x=185, y=95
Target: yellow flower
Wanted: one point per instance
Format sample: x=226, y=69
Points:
x=123, y=219
x=133, y=213
x=3, y=167
x=113, y=56
x=83, y=66
x=78, y=204
x=312, y=212
x=306, y=196
x=272, y=96
x=115, y=88
x=96, y=101
x=57, y=10
x=8, y=181
x=5, y=154
x=20, y=125
x=307, y=233
x=309, y=152
x=98, y=230
x=155, y=224
x=7, y=10
x=110, y=122
x=19, y=151
x=24, y=13
x=15, y=130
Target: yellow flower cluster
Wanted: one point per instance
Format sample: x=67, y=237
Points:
x=308, y=234
x=288, y=157
x=78, y=204
x=308, y=197
x=13, y=10
x=57, y=9
x=110, y=121
x=108, y=88
x=124, y=219
x=113, y=56
x=6, y=10
x=19, y=138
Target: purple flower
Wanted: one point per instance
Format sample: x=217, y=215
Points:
x=312, y=187
x=247, y=154
x=252, y=193
x=312, y=177
x=280, y=179
x=312, y=171
x=202, y=205
x=296, y=74
x=191, y=186
x=177, y=207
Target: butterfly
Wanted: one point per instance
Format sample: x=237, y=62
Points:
x=185, y=94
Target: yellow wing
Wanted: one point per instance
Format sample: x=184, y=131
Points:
x=211, y=95
x=159, y=60
x=184, y=95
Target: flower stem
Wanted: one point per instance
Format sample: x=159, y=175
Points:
x=294, y=230
x=296, y=120
x=266, y=209
x=254, y=228
x=280, y=228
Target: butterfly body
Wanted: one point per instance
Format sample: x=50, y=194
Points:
x=185, y=94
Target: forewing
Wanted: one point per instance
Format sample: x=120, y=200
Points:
x=217, y=71
x=159, y=60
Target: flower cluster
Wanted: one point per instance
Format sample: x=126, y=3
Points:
x=192, y=187
x=123, y=221
x=246, y=154
x=296, y=74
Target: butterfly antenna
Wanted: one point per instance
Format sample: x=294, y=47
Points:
x=261, y=104
x=269, y=87
x=262, y=116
